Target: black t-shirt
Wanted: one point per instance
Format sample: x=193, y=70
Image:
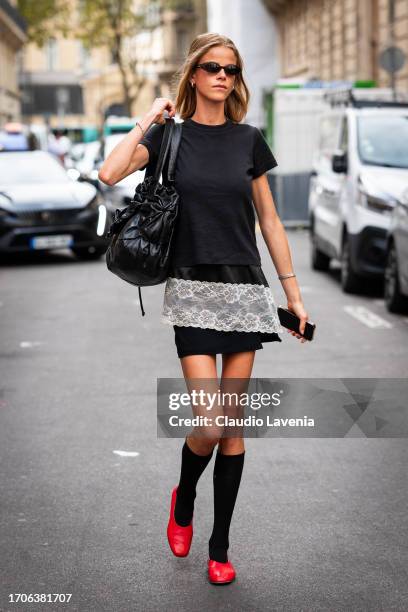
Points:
x=214, y=170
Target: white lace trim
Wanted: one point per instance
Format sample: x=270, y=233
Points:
x=222, y=306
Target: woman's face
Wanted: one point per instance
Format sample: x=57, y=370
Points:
x=206, y=83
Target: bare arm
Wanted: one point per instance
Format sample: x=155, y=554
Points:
x=274, y=234
x=128, y=155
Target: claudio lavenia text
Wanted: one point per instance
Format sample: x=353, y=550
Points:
x=249, y=421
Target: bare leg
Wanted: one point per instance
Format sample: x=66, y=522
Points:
x=235, y=365
x=196, y=367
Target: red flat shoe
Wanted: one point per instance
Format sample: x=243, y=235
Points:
x=220, y=573
x=179, y=537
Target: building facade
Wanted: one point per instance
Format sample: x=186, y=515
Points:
x=49, y=82
x=50, y=79
x=12, y=37
x=340, y=39
x=66, y=85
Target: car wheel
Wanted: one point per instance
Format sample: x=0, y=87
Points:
x=395, y=301
x=350, y=281
x=89, y=253
x=318, y=259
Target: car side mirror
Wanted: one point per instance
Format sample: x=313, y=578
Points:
x=339, y=162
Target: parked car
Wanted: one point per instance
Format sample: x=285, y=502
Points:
x=396, y=267
x=15, y=136
x=122, y=192
x=42, y=208
x=83, y=160
x=360, y=174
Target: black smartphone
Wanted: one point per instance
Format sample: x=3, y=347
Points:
x=291, y=321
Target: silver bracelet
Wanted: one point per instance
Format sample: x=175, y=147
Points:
x=137, y=123
x=281, y=276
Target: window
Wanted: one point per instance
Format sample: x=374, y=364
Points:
x=84, y=58
x=182, y=43
x=51, y=49
x=152, y=14
x=383, y=140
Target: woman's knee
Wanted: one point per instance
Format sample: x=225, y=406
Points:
x=208, y=436
x=231, y=446
x=227, y=446
x=202, y=445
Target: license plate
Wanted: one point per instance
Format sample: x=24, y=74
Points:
x=51, y=242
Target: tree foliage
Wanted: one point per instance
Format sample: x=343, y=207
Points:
x=107, y=22
x=45, y=18
x=113, y=24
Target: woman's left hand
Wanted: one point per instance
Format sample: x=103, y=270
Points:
x=298, y=309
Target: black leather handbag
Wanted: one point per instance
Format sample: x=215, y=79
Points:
x=141, y=245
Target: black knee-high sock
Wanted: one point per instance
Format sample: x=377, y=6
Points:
x=226, y=480
x=192, y=466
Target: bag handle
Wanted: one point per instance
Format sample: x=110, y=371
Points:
x=175, y=142
x=164, y=147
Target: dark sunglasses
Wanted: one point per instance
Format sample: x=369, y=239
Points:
x=214, y=67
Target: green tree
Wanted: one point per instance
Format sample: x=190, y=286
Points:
x=45, y=18
x=178, y=5
x=113, y=24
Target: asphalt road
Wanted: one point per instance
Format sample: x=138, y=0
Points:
x=319, y=525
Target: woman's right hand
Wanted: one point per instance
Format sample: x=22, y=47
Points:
x=159, y=106
x=299, y=310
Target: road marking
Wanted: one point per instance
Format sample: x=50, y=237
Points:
x=28, y=344
x=126, y=453
x=369, y=318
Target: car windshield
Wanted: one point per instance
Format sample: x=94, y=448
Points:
x=22, y=168
x=383, y=140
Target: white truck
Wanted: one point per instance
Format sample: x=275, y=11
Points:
x=360, y=172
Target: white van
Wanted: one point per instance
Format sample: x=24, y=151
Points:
x=359, y=173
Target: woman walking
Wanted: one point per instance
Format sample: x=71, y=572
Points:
x=216, y=297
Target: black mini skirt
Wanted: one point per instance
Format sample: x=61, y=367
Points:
x=202, y=340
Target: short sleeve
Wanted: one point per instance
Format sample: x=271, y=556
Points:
x=263, y=158
x=152, y=141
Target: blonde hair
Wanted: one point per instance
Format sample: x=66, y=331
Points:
x=236, y=105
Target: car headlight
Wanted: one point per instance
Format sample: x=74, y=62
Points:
x=381, y=203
